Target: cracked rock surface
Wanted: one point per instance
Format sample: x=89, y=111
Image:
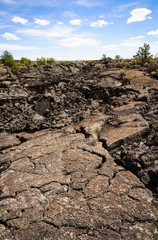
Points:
x=88, y=172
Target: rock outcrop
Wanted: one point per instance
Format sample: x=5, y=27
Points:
x=78, y=153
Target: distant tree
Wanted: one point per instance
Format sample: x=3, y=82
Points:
x=5, y=56
x=50, y=60
x=25, y=61
x=103, y=56
x=143, y=55
x=41, y=61
x=117, y=57
x=8, y=60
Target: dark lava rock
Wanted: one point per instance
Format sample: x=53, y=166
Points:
x=78, y=153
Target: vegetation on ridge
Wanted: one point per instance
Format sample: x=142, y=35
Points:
x=142, y=59
x=8, y=60
x=143, y=55
x=25, y=61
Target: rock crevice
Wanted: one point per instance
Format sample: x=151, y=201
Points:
x=78, y=153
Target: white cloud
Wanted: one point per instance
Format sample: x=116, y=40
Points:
x=132, y=44
x=56, y=31
x=60, y=23
x=10, y=36
x=125, y=6
x=19, y=20
x=5, y=26
x=110, y=47
x=139, y=14
x=99, y=23
x=3, y=13
x=9, y=1
x=88, y=3
x=41, y=22
x=138, y=37
x=78, y=42
x=153, y=48
x=75, y=22
x=12, y=47
x=101, y=16
x=153, y=32
x=70, y=14
x=49, y=3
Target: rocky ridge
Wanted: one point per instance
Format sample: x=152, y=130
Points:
x=78, y=153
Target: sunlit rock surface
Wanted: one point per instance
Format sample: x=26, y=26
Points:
x=78, y=153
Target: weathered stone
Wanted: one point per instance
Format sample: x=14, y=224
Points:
x=130, y=125
x=8, y=140
x=96, y=187
x=84, y=173
x=3, y=71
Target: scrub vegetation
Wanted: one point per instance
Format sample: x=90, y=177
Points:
x=8, y=60
x=142, y=59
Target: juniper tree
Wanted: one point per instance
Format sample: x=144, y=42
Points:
x=143, y=55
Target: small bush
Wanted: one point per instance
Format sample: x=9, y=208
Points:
x=88, y=61
x=154, y=74
x=153, y=66
x=12, y=64
x=122, y=74
x=25, y=61
x=61, y=62
x=6, y=55
x=96, y=131
x=122, y=64
x=7, y=60
x=50, y=60
x=41, y=61
x=103, y=56
x=117, y=57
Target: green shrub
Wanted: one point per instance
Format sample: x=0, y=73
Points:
x=143, y=55
x=154, y=74
x=25, y=61
x=65, y=62
x=50, y=60
x=122, y=64
x=117, y=57
x=88, y=61
x=41, y=61
x=104, y=56
x=12, y=64
x=153, y=66
x=6, y=55
x=7, y=60
x=122, y=74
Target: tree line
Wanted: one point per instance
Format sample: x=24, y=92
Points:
x=142, y=56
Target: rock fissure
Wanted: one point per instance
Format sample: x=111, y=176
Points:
x=78, y=153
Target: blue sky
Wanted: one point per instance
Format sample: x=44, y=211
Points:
x=77, y=29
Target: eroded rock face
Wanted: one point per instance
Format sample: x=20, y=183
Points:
x=58, y=186
x=88, y=172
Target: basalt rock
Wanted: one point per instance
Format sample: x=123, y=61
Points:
x=78, y=153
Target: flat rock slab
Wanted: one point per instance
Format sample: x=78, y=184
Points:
x=130, y=125
x=139, y=79
x=8, y=140
x=109, y=82
x=58, y=186
x=114, y=73
x=130, y=74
